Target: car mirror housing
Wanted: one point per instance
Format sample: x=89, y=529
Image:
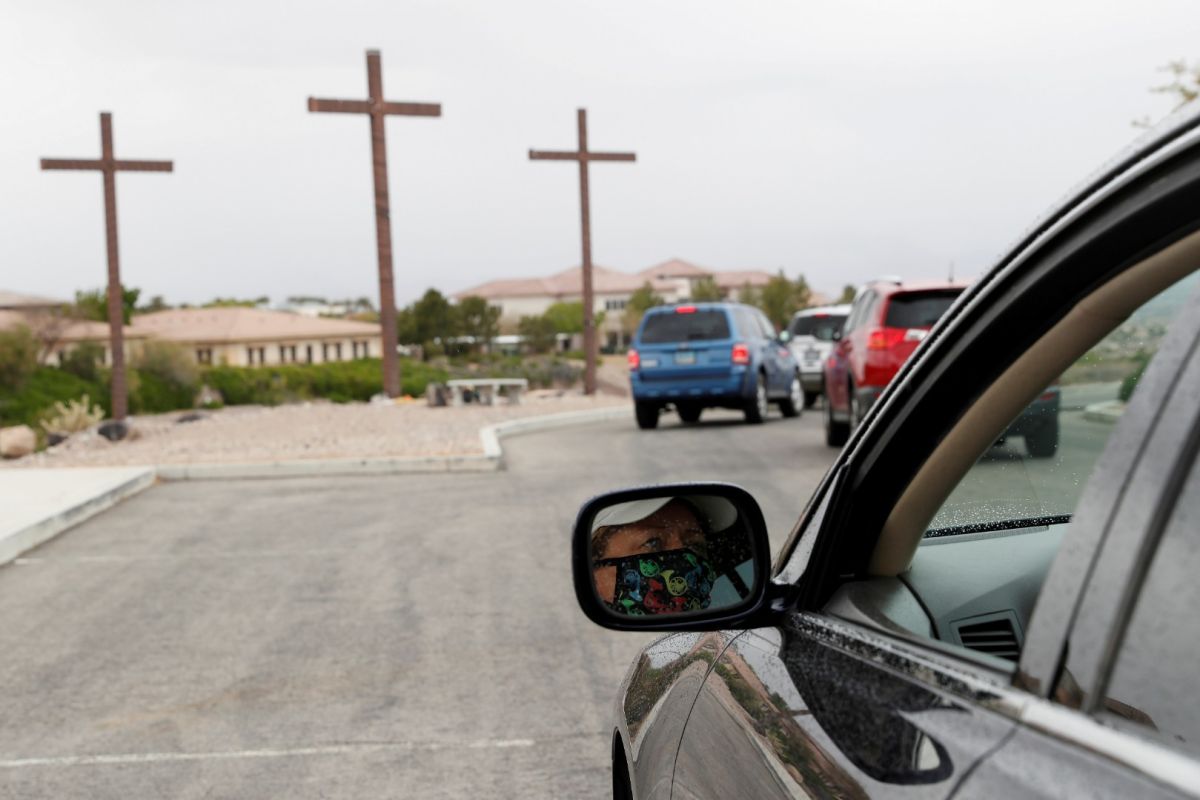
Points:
x=686, y=556
x=785, y=336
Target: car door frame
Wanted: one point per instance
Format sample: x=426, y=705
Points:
x=1138, y=208
x=1079, y=621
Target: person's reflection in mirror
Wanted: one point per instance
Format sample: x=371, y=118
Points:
x=655, y=556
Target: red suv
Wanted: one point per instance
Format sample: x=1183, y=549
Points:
x=886, y=323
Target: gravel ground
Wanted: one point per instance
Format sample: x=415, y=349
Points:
x=307, y=430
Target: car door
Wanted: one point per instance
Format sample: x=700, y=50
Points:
x=776, y=355
x=1121, y=712
x=836, y=381
x=862, y=690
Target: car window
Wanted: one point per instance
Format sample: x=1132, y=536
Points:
x=747, y=325
x=1155, y=686
x=821, y=327
x=856, y=313
x=699, y=325
x=1038, y=467
x=918, y=309
x=764, y=324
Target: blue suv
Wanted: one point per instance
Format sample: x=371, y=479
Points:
x=711, y=355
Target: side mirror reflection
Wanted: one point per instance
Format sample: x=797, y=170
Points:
x=671, y=551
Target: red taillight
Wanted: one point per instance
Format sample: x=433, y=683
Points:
x=685, y=310
x=740, y=354
x=1048, y=396
x=884, y=338
x=633, y=358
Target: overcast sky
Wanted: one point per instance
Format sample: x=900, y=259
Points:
x=841, y=140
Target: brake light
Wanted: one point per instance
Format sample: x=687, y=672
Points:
x=1048, y=396
x=685, y=310
x=740, y=354
x=884, y=338
x=634, y=359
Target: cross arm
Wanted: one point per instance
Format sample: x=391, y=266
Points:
x=339, y=106
x=553, y=155
x=413, y=109
x=71, y=163
x=612, y=157
x=144, y=166
x=573, y=155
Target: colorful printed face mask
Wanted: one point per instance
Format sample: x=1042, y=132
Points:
x=671, y=582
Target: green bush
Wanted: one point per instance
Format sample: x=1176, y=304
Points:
x=341, y=382
x=18, y=358
x=1130, y=382
x=85, y=361
x=44, y=387
x=167, y=379
x=540, y=371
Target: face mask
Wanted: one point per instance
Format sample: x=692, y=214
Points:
x=671, y=582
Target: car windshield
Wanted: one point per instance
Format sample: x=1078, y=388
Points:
x=918, y=309
x=697, y=326
x=821, y=327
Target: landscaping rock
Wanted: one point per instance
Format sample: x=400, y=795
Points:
x=17, y=441
x=113, y=430
x=192, y=416
x=53, y=439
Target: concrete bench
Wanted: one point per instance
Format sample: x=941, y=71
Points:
x=486, y=390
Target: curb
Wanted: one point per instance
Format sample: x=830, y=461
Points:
x=1108, y=412
x=21, y=540
x=492, y=458
x=16, y=542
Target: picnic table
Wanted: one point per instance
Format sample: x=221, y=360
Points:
x=486, y=390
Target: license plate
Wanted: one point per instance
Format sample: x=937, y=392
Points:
x=685, y=358
x=649, y=362
x=811, y=354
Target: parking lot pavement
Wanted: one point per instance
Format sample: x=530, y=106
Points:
x=412, y=636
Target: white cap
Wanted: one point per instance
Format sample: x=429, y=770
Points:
x=718, y=512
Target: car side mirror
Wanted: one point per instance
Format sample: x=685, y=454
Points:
x=837, y=335
x=785, y=336
x=689, y=556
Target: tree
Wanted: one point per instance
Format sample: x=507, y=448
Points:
x=93, y=305
x=706, y=290
x=156, y=303
x=1184, y=86
x=538, y=333
x=782, y=297
x=848, y=292
x=748, y=295
x=479, y=320
x=18, y=357
x=642, y=299
x=233, y=302
x=434, y=318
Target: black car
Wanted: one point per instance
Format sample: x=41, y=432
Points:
x=947, y=617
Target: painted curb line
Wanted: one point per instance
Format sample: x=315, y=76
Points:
x=13, y=544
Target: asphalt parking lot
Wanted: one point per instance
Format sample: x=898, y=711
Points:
x=411, y=636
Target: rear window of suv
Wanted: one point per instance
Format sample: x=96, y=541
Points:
x=694, y=327
x=918, y=309
x=821, y=327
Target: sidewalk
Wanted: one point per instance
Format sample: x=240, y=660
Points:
x=40, y=504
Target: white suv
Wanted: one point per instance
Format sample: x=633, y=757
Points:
x=810, y=336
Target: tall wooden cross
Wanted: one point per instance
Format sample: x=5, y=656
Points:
x=377, y=108
x=583, y=156
x=109, y=165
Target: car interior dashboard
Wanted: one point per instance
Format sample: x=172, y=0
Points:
x=973, y=590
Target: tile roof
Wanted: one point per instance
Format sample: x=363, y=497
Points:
x=675, y=268
x=18, y=300
x=235, y=324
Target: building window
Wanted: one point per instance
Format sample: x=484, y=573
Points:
x=204, y=355
x=614, y=305
x=282, y=354
x=308, y=353
x=337, y=352
x=250, y=356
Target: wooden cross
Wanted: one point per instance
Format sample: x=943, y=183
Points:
x=583, y=156
x=377, y=108
x=109, y=165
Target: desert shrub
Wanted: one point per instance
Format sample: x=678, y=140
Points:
x=72, y=416
x=341, y=382
x=540, y=371
x=167, y=378
x=84, y=361
x=41, y=390
x=1130, y=382
x=18, y=357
